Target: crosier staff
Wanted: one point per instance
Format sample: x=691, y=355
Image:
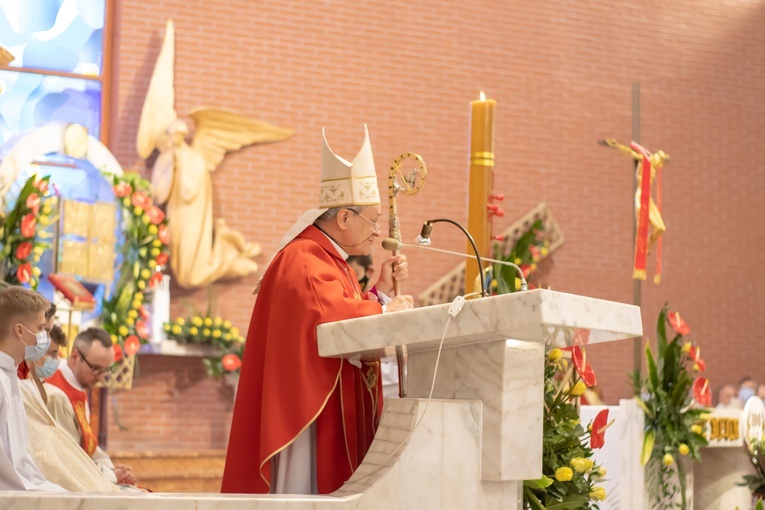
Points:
x=399, y=183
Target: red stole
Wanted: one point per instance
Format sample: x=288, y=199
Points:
x=285, y=385
x=79, y=400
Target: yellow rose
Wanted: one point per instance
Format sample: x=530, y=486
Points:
x=36, y=271
x=227, y=324
x=141, y=284
x=138, y=296
x=176, y=329
x=46, y=208
x=217, y=322
x=564, y=474
x=152, y=263
x=166, y=327
x=130, y=321
x=132, y=314
x=123, y=331
x=33, y=283
x=153, y=230
x=696, y=429
x=517, y=261
x=544, y=251
x=126, y=202
x=578, y=389
x=494, y=284
x=206, y=332
x=38, y=250
x=598, y=493
x=216, y=333
x=588, y=464
x=136, y=304
x=208, y=322
x=517, y=284
x=155, y=251
x=683, y=449
x=227, y=337
x=533, y=267
x=138, y=211
x=555, y=355
x=156, y=243
x=686, y=347
x=240, y=339
x=43, y=220
x=668, y=459
x=145, y=274
x=602, y=471
x=579, y=464
x=193, y=330
x=197, y=321
x=145, y=219
x=114, y=339
x=235, y=331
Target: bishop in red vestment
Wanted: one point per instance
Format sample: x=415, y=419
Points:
x=285, y=387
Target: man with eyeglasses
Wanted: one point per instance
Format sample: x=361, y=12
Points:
x=91, y=359
x=302, y=424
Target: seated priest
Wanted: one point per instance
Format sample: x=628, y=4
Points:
x=91, y=358
x=59, y=457
x=22, y=335
x=302, y=423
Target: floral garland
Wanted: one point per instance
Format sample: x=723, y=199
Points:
x=219, y=333
x=145, y=252
x=20, y=233
x=569, y=474
x=670, y=396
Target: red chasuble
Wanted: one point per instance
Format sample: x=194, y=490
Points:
x=79, y=400
x=285, y=385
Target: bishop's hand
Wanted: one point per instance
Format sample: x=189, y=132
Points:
x=400, y=303
x=394, y=268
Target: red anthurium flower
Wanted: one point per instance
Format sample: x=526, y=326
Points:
x=526, y=270
x=700, y=365
x=142, y=311
x=140, y=328
x=581, y=336
x=33, y=202
x=598, y=432
x=117, y=353
x=155, y=279
x=583, y=366
x=122, y=189
x=164, y=234
x=28, y=223
x=678, y=324
x=132, y=344
x=140, y=199
x=23, y=251
x=24, y=272
x=231, y=362
x=42, y=186
x=155, y=214
x=162, y=258
x=694, y=353
x=701, y=391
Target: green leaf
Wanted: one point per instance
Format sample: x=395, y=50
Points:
x=540, y=483
x=570, y=501
x=532, y=500
x=648, y=443
x=642, y=405
x=653, y=374
x=661, y=330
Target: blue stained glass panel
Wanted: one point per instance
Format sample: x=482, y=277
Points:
x=32, y=100
x=55, y=35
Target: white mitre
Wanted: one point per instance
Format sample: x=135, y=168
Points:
x=343, y=184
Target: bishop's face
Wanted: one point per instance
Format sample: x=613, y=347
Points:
x=363, y=229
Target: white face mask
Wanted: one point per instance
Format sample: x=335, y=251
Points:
x=48, y=369
x=37, y=350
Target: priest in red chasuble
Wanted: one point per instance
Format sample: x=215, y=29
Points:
x=302, y=423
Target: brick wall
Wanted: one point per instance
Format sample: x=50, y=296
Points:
x=561, y=73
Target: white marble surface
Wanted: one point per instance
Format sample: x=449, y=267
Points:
x=534, y=316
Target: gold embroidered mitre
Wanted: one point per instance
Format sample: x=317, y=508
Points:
x=344, y=184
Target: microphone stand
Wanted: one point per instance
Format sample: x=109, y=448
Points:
x=424, y=239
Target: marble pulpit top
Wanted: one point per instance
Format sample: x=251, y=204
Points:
x=555, y=318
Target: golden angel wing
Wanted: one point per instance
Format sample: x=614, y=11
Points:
x=220, y=131
x=159, y=105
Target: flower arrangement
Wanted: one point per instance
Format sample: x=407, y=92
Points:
x=20, y=233
x=530, y=248
x=569, y=475
x=145, y=252
x=671, y=396
x=216, y=332
x=756, y=483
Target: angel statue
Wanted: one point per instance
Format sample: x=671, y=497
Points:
x=657, y=161
x=181, y=176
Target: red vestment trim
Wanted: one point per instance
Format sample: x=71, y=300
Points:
x=79, y=400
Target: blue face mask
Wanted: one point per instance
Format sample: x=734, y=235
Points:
x=37, y=350
x=48, y=369
x=745, y=394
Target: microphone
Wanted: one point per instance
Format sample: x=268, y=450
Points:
x=394, y=244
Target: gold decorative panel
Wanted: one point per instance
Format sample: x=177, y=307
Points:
x=87, y=240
